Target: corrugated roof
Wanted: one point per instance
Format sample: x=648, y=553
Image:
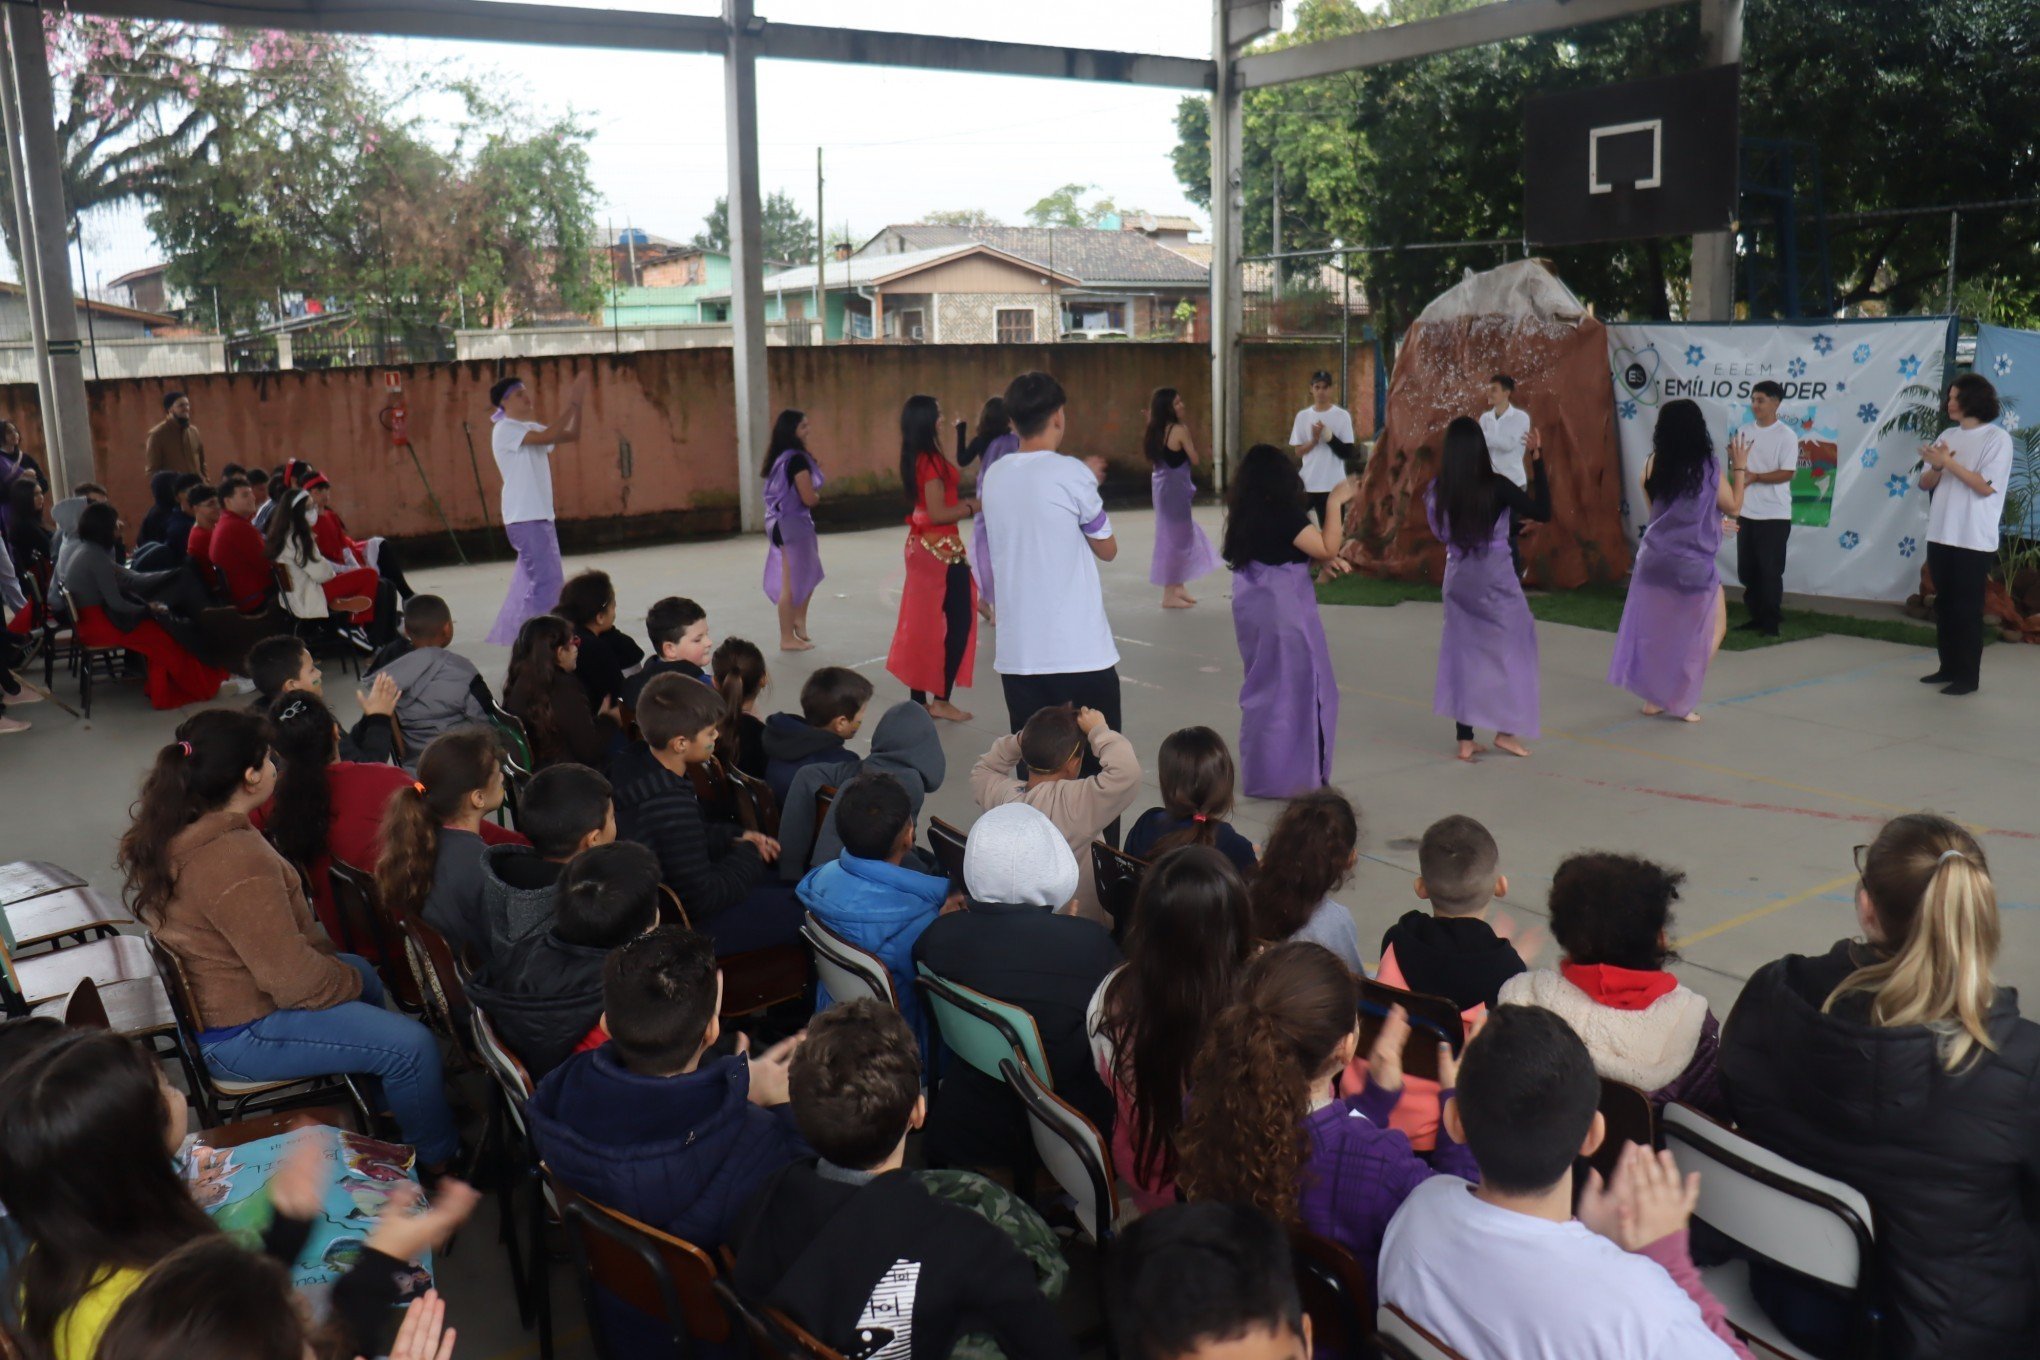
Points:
x=1092, y=254
x=861, y=271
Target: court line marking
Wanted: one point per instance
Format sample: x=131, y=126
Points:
x=1759, y=913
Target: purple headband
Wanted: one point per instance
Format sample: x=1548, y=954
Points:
x=497, y=414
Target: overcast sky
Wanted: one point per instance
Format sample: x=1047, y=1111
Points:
x=896, y=143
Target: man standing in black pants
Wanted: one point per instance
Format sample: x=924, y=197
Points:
x=1765, y=526
x=1048, y=531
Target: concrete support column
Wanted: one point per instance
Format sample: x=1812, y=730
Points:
x=747, y=257
x=1713, y=280
x=1227, y=158
x=286, y=358
x=33, y=163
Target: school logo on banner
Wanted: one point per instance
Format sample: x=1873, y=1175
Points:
x=1858, y=518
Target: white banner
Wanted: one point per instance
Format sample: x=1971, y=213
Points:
x=1859, y=518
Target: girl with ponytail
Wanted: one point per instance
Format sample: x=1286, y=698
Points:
x=740, y=677
x=1264, y=1124
x=435, y=829
x=1197, y=776
x=1895, y=1063
x=542, y=691
x=271, y=998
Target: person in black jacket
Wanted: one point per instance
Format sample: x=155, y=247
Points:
x=1453, y=952
x=542, y=691
x=1901, y=1068
x=717, y=871
x=277, y=665
x=545, y=996
x=1014, y=944
x=588, y=601
x=851, y=1246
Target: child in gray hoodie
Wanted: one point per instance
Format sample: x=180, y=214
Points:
x=904, y=745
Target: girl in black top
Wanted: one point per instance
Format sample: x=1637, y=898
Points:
x=588, y=601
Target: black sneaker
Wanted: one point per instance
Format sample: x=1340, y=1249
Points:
x=1937, y=678
x=1961, y=687
x=1748, y=626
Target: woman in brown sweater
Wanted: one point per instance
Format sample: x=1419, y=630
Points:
x=274, y=1000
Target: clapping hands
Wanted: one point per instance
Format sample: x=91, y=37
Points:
x=1645, y=1200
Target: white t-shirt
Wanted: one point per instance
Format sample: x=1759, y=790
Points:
x=1773, y=448
x=1506, y=434
x=1960, y=518
x=526, y=469
x=1491, y=1282
x=1322, y=468
x=1039, y=507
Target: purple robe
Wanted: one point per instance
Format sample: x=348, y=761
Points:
x=1289, y=702
x=980, y=546
x=790, y=531
x=1182, y=552
x=1487, y=651
x=535, y=585
x=1667, y=632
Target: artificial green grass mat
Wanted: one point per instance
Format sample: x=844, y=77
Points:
x=1600, y=607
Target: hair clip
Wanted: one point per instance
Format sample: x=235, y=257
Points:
x=419, y=785
x=185, y=747
x=1947, y=855
x=1199, y=818
x=297, y=709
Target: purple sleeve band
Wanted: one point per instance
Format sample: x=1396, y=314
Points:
x=1092, y=525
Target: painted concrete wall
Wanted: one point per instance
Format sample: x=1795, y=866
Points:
x=658, y=450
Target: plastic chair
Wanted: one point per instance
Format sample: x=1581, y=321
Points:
x=364, y=916
x=1398, y=1338
x=507, y=1140
x=773, y=1334
x=846, y=970
x=1431, y=1018
x=757, y=808
x=1118, y=876
x=982, y=1031
x=1807, y=1224
x=946, y=843
x=83, y=654
x=663, y=1277
x=517, y=762
x=444, y=985
x=1072, y=1149
x=1336, y=1295
x=1630, y=1119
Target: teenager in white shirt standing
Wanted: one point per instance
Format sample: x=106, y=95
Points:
x=1322, y=437
x=1770, y=455
x=523, y=446
x=1048, y=531
x=1506, y=428
x=1968, y=468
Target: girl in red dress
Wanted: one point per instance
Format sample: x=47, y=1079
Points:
x=933, y=646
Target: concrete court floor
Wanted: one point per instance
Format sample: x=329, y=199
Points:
x=1805, y=749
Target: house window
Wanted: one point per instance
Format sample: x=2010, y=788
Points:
x=1016, y=325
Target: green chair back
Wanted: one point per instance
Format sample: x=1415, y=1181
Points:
x=982, y=1031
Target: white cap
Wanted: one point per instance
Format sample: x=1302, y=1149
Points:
x=1015, y=855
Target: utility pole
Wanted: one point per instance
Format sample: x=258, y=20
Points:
x=747, y=263
x=1713, y=280
x=821, y=251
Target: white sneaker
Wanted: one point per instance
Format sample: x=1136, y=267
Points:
x=240, y=684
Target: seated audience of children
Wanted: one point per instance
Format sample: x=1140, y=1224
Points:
x=237, y=550
x=717, y=871
x=868, y=896
x=344, y=550
x=544, y=695
x=588, y=602
x=564, y=810
x=283, y=665
x=1195, y=769
x=1189, y=941
x=204, y=510
x=738, y=673
x=1612, y=917
x=120, y=607
x=1311, y=851
x=312, y=586
x=1053, y=743
x=545, y=996
x=438, y=689
x=1267, y=1066
x=1896, y=1063
x=856, y=1249
x=1505, y=1268
x=677, y=630
x=272, y=998
x=434, y=833
x=1014, y=943
x=832, y=705
x=1205, y=1282
x=905, y=745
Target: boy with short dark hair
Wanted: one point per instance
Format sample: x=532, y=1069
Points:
x=565, y=809
x=717, y=871
x=545, y=996
x=1206, y=1282
x=439, y=690
x=1054, y=743
x=851, y=1245
x=868, y=896
x=283, y=664
x=832, y=704
x=1505, y=1267
x=677, y=629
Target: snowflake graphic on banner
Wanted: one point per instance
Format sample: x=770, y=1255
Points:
x=1909, y=366
x=1823, y=343
x=1797, y=368
x=1628, y=410
x=1907, y=546
x=1694, y=354
x=1867, y=413
x=1861, y=353
x=1897, y=484
x=2003, y=364
x=2010, y=420
x=1870, y=457
x=1850, y=538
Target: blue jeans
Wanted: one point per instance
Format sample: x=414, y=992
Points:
x=353, y=1037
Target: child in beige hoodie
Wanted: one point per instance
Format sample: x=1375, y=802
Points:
x=1052, y=743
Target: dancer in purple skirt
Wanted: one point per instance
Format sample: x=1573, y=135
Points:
x=793, y=562
x=523, y=446
x=1289, y=702
x=994, y=440
x=1182, y=552
x=1675, y=616
x=1487, y=652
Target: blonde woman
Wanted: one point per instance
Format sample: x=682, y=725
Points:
x=1897, y=1064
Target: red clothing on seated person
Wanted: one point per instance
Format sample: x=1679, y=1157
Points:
x=353, y=836
x=174, y=676
x=238, y=554
x=361, y=581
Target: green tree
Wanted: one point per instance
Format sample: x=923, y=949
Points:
x=789, y=234
x=1065, y=207
x=976, y=219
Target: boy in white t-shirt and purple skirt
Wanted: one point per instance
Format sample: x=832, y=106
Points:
x=523, y=447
